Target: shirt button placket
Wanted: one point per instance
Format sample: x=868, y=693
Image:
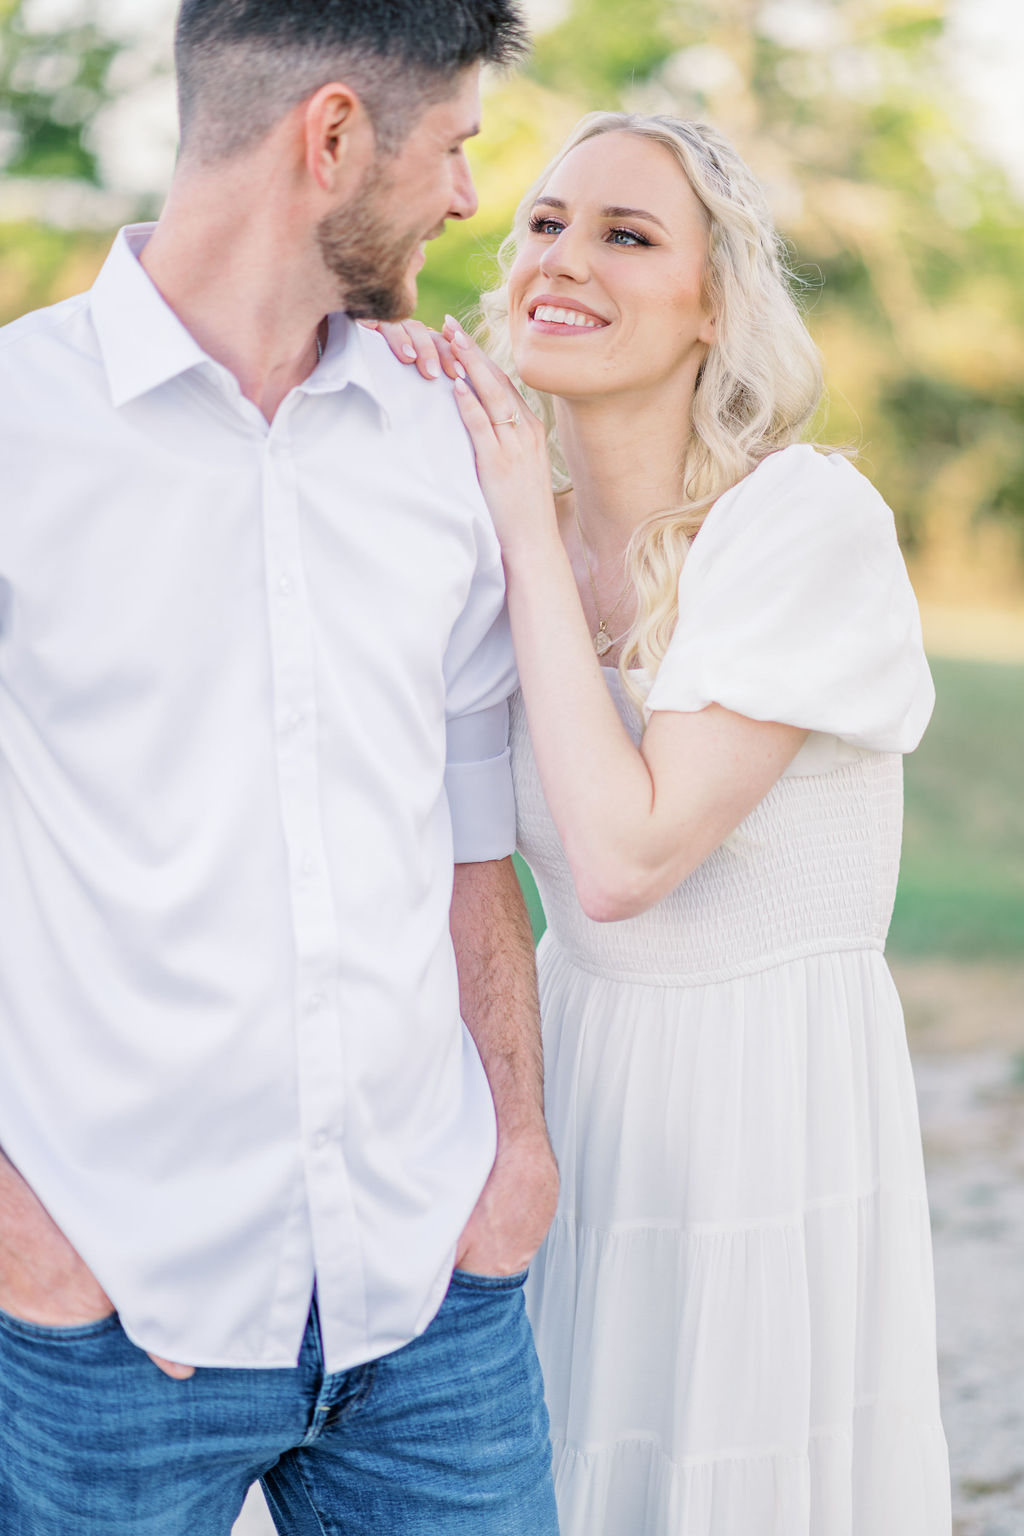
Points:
x=319, y=1054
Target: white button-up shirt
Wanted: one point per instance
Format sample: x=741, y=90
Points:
x=231, y=1058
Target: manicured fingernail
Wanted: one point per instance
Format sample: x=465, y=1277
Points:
x=409, y=352
x=460, y=370
x=457, y=334
x=461, y=387
x=433, y=369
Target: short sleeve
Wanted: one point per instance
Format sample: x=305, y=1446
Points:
x=795, y=606
x=480, y=674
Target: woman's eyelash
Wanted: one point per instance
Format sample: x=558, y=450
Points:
x=540, y=221
x=634, y=234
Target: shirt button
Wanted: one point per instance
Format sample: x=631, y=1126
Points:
x=315, y=1002
x=320, y=1141
x=284, y=586
x=307, y=866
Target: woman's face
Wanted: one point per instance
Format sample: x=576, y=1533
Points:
x=605, y=293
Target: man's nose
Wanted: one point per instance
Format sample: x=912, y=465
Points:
x=464, y=199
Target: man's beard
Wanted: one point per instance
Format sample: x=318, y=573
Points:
x=369, y=258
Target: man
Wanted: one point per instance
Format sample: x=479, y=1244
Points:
x=250, y=605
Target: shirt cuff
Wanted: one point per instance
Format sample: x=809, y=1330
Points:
x=478, y=780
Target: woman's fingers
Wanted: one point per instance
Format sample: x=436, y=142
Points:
x=498, y=395
x=474, y=414
x=449, y=362
x=454, y=334
x=395, y=335
x=413, y=342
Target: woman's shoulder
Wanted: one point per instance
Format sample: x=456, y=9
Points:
x=795, y=606
x=802, y=476
x=800, y=496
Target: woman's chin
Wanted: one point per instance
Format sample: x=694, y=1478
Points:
x=550, y=376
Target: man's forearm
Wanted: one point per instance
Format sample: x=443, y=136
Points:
x=498, y=992
x=498, y=989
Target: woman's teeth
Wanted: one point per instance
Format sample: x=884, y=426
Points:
x=564, y=316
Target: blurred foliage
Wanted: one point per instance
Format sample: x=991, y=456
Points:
x=54, y=80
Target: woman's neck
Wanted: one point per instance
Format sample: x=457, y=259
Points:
x=625, y=459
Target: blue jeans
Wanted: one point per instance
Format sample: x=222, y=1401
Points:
x=446, y=1437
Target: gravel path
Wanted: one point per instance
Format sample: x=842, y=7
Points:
x=966, y=1028
x=967, y=1034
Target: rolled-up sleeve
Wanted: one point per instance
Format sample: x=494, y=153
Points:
x=478, y=779
x=480, y=674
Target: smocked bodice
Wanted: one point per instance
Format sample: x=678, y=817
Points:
x=812, y=870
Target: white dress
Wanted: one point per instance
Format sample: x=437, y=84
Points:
x=734, y=1308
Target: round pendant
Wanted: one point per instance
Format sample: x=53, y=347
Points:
x=602, y=642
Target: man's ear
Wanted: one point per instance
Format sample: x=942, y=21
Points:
x=339, y=138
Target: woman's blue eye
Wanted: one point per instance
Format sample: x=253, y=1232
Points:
x=630, y=236
x=542, y=226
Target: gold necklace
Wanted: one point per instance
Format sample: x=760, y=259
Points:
x=603, y=641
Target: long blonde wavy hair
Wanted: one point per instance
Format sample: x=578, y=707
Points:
x=756, y=391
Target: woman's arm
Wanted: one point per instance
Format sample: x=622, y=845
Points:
x=634, y=822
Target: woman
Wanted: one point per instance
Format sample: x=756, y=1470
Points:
x=734, y=1308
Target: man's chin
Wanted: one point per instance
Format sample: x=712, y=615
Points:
x=384, y=303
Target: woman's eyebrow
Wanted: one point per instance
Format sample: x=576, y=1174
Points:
x=607, y=213
x=634, y=213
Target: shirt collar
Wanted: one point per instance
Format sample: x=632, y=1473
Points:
x=352, y=356
x=141, y=338
x=144, y=344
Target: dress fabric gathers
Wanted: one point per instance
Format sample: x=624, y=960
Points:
x=734, y=1309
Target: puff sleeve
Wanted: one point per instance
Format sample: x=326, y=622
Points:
x=795, y=606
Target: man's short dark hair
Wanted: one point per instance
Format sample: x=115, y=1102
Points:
x=243, y=64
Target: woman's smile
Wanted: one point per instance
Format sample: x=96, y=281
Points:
x=554, y=316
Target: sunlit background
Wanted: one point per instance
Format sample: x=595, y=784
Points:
x=890, y=134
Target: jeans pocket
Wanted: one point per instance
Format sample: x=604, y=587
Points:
x=54, y=1333
x=474, y=1282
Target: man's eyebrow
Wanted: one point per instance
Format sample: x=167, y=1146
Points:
x=608, y=213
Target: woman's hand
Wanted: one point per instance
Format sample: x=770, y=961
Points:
x=413, y=342
x=510, y=446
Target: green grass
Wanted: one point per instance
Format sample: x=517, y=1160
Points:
x=961, y=890
x=533, y=905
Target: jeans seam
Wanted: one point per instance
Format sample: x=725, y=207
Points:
x=332, y=1530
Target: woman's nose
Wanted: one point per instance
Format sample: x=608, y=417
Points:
x=565, y=257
